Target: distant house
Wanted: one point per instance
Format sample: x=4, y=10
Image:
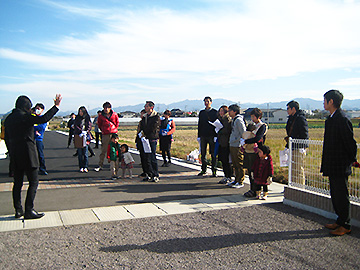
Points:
x=353, y=114
x=128, y=114
x=177, y=113
x=269, y=116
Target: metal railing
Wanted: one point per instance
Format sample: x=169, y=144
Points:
x=304, y=169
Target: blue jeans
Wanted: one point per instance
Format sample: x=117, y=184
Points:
x=40, y=150
x=151, y=160
x=83, y=157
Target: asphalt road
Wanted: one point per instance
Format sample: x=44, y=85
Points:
x=63, y=167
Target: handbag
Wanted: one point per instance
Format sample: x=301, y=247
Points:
x=79, y=141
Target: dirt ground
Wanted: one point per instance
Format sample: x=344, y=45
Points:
x=272, y=236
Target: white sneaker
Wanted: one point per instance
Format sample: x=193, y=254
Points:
x=98, y=169
x=238, y=185
x=82, y=170
x=230, y=184
x=86, y=170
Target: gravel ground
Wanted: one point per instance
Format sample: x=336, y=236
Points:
x=272, y=236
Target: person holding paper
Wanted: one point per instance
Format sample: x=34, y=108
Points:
x=140, y=147
x=207, y=135
x=149, y=134
x=223, y=140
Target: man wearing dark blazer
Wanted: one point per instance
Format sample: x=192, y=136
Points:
x=339, y=153
x=19, y=126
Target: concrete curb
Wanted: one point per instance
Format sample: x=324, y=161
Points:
x=142, y=210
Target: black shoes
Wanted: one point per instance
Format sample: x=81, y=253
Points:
x=19, y=213
x=33, y=215
x=142, y=175
x=202, y=173
x=92, y=155
x=43, y=173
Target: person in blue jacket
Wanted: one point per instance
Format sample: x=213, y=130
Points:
x=39, y=130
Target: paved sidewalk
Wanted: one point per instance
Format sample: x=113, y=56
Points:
x=142, y=210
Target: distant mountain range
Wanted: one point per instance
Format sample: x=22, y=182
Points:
x=196, y=105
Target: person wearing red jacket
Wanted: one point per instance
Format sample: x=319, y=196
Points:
x=108, y=123
x=262, y=171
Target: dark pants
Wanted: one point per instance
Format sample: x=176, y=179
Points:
x=258, y=187
x=224, y=153
x=98, y=136
x=340, y=199
x=249, y=159
x=83, y=157
x=204, y=141
x=32, y=176
x=165, y=146
x=151, y=161
x=40, y=150
x=143, y=160
x=90, y=150
x=71, y=135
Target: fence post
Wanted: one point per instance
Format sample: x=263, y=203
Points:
x=290, y=161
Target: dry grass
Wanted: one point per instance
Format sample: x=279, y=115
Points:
x=185, y=141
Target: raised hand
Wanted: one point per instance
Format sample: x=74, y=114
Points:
x=57, y=99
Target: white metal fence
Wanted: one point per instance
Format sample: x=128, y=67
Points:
x=304, y=168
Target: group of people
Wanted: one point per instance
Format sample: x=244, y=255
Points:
x=227, y=136
x=151, y=128
x=224, y=131
x=248, y=151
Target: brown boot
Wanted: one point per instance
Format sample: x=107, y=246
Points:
x=332, y=226
x=265, y=194
x=258, y=194
x=340, y=231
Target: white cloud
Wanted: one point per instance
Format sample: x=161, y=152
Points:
x=347, y=82
x=217, y=47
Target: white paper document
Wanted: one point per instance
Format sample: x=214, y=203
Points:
x=217, y=124
x=146, y=145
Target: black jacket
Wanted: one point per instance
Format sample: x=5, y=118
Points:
x=204, y=128
x=339, y=148
x=82, y=124
x=297, y=127
x=150, y=125
x=19, y=127
x=224, y=133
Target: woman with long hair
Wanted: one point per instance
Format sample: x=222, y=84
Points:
x=82, y=127
x=223, y=140
x=260, y=137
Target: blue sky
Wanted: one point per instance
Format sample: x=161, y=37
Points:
x=127, y=52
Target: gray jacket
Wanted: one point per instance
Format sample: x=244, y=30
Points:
x=237, y=129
